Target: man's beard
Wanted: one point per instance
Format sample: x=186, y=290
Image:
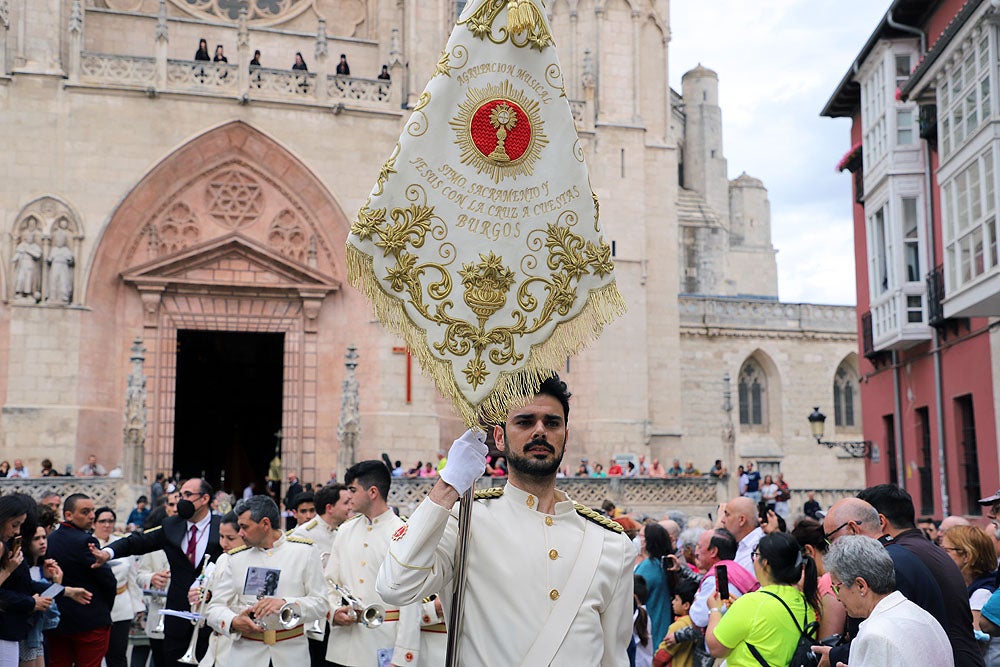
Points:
x=528, y=465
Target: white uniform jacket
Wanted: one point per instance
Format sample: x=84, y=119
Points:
x=220, y=643
x=300, y=583
x=322, y=536
x=128, y=596
x=150, y=564
x=529, y=576
x=354, y=562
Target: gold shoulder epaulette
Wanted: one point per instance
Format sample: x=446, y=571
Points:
x=599, y=519
x=237, y=550
x=288, y=533
x=299, y=540
x=312, y=524
x=356, y=516
x=491, y=493
x=150, y=530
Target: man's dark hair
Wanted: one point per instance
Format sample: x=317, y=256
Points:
x=69, y=505
x=160, y=477
x=231, y=519
x=368, y=474
x=304, y=497
x=557, y=389
x=892, y=502
x=328, y=495
x=640, y=588
x=141, y=499
x=724, y=543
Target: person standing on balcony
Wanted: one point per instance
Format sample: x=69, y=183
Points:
x=202, y=52
x=219, y=57
x=300, y=63
x=384, y=74
x=255, y=61
x=343, y=69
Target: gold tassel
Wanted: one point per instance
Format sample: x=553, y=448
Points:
x=603, y=306
x=521, y=15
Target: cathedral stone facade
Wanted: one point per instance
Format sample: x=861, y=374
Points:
x=202, y=207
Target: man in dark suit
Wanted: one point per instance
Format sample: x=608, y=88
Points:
x=185, y=539
x=83, y=631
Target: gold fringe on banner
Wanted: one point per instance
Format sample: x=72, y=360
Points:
x=603, y=305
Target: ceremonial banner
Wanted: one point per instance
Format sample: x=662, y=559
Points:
x=480, y=243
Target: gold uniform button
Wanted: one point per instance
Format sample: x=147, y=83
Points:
x=554, y=594
x=362, y=563
x=553, y=554
x=548, y=521
x=361, y=581
x=366, y=544
x=530, y=502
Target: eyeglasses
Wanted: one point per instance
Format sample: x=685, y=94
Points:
x=955, y=549
x=835, y=531
x=190, y=494
x=754, y=554
x=105, y=521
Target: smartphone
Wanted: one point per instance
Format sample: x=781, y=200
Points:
x=762, y=512
x=722, y=581
x=15, y=544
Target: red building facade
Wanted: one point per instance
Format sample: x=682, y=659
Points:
x=923, y=95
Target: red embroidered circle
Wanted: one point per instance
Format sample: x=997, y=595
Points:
x=484, y=134
x=400, y=532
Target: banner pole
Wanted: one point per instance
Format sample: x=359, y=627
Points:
x=458, y=592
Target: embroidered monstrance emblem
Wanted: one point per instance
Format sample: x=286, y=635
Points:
x=499, y=130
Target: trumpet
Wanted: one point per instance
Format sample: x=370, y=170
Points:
x=189, y=657
x=285, y=618
x=371, y=616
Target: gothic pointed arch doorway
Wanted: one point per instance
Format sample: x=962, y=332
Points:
x=228, y=258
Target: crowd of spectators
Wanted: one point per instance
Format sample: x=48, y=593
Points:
x=864, y=580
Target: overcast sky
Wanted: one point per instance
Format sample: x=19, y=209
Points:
x=778, y=63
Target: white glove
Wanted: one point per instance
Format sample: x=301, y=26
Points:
x=466, y=461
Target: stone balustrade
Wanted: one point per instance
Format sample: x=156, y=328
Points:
x=223, y=79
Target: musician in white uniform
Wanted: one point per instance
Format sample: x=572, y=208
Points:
x=256, y=581
x=220, y=643
x=548, y=582
x=354, y=563
x=332, y=504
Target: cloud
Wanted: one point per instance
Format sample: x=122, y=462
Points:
x=779, y=61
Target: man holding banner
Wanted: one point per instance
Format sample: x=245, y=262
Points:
x=561, y=593
x=481, y=246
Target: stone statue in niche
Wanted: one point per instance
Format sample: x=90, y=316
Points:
x=28, y=267
x=61, y=263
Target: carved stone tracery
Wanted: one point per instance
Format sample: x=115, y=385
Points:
x=287, y=236
x=234, y=198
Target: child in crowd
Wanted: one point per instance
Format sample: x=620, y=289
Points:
x=678, y=655
x=641, y=649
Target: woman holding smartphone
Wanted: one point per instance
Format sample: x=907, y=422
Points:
x=17, y=598
x=44, y=572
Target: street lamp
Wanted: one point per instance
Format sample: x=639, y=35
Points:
x=859, y=449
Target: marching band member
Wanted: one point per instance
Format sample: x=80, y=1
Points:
x=220, y=643
x=354, y=562
x=259, y=583
x=332, y=504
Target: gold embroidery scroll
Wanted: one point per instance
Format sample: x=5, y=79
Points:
x=480, y=243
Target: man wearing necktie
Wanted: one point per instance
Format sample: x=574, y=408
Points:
x=185, y=539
